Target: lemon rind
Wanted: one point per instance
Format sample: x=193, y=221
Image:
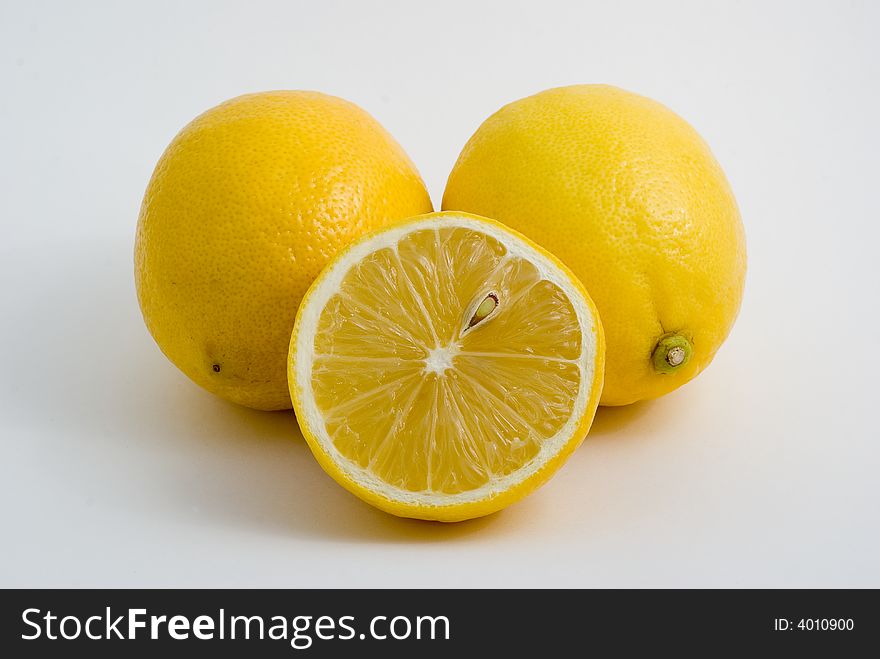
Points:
x=368, y=485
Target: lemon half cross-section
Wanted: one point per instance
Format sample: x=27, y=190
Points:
x=445, y=367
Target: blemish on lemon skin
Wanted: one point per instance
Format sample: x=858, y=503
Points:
x=215, y=368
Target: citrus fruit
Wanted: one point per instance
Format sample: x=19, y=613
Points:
x=445, y=367
x=245, y=207
x=630, y=197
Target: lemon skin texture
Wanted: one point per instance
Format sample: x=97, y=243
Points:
x=627, y=195
x=244, y=209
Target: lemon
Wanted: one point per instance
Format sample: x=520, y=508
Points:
x=630, y=197
x=245, y=207
x=445, y=367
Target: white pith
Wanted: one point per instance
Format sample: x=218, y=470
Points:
x=329, y=284
x=439, y=359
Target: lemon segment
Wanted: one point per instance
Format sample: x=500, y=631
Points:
x=445, y=367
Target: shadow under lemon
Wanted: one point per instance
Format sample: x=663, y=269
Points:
x=258, y=471
x=265, y=476
x=249, y=468
x=617, y=421
x=129, y=432
x=116, y=398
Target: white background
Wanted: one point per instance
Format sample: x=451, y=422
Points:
x=115, y=470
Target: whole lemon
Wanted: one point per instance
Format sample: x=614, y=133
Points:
x=629, y=196
x=245, y=207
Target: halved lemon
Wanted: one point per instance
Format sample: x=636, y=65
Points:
x=445, y=367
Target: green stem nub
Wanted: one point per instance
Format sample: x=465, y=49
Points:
x=672, y=352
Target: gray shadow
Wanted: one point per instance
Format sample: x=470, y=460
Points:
x=266, y=478
x=102, y=383
x=617, y=422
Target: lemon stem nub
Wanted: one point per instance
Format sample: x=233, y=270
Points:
x=486, y=307
x=672, y=352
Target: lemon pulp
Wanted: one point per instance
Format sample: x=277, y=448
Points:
x=444, y=362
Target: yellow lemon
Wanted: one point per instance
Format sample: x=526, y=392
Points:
x=246, y=206
x=444, y=367
x=630, y=197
